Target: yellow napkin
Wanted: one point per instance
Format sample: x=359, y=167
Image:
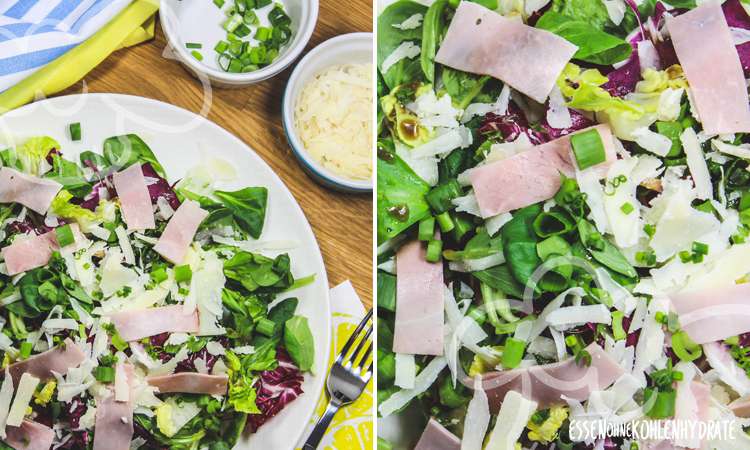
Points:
x=133, y=25
x=351, y=428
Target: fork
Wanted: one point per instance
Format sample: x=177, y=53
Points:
x=347, y=379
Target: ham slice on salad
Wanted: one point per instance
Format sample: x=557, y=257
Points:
x=59, y=359
x=190, y=383
x=436, y=437
x=135, y=201
x=114, y=419
x=484, y=42
x=32, y=192
x=419, y=302
x=545, y=384
x=30, y=436
x=531, y=176
x=713, y=315
x=140, y=323
x=706, y=51
x=31, y=251
x=178, y=235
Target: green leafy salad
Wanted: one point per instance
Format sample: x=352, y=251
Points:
x=137, y=313
x=562, y=224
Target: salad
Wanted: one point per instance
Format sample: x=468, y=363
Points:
x=139, y=313
x=562, y=207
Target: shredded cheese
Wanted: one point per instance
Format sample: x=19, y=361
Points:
x=333, y=117
x=26, y=387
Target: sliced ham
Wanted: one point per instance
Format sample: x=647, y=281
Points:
x=32, y=192
x=692, y=405
x=114, y=419
x=191, y=383
x=436, y=437
x=32, y=251
x=58, y=359
x=178, y=235
x=531, y=176
x=545, y=384
x=704, y=46
x=138, y=324
x=135, y=201
x=484, y=42
x=419, y=302
x=30, y=436
x=714, y=315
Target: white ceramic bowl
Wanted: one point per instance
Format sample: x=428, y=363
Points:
x=347, y=48
x=201, y=22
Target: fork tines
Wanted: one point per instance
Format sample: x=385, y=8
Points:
x=361, y=337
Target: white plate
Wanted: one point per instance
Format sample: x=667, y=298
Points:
x=181, y=140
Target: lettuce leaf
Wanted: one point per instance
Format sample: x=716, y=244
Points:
x=594, y=46
x=30, y=157
x=584, y=91
x=62, y=207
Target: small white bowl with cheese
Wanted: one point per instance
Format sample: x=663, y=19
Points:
x=328, y=112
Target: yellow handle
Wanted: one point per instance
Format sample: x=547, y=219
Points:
x=75, y=64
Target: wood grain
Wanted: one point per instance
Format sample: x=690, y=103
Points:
x=342, y=222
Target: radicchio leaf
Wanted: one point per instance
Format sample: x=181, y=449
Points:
x=579, y=122
x=737, y=18
x=276, y=389
x=510, y=125
x=159, y=187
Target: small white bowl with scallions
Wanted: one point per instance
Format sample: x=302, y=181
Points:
x=235, y=43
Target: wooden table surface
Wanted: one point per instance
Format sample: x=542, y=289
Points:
x=342, y=222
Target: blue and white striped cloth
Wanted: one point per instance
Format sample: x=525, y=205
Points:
x=35, y=32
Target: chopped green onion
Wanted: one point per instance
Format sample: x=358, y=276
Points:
x=513, y=353
x=434, y=247
x=242, y=30
x=685, y=256
x=266, y=327
x=660, y=317
x=262, y=34
x=159, y=274
x=221, y=46
x=445, y=222
x=551, y=247
x=183, y=273
x=627, y=208
x=441, y=196
x=618, y=332
x=685, y=348
x=25, y=349
x=219, y=3
x=193, y=45
x=588, y=149
x=197, y=55
x=232, y=23
x=75, y=131
x=697, y=258
x=661, y=403
x=649, y=229
x=700, y=248
x=251, y=18
x=426, y=229
x=104, y=374
x=64, y=236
